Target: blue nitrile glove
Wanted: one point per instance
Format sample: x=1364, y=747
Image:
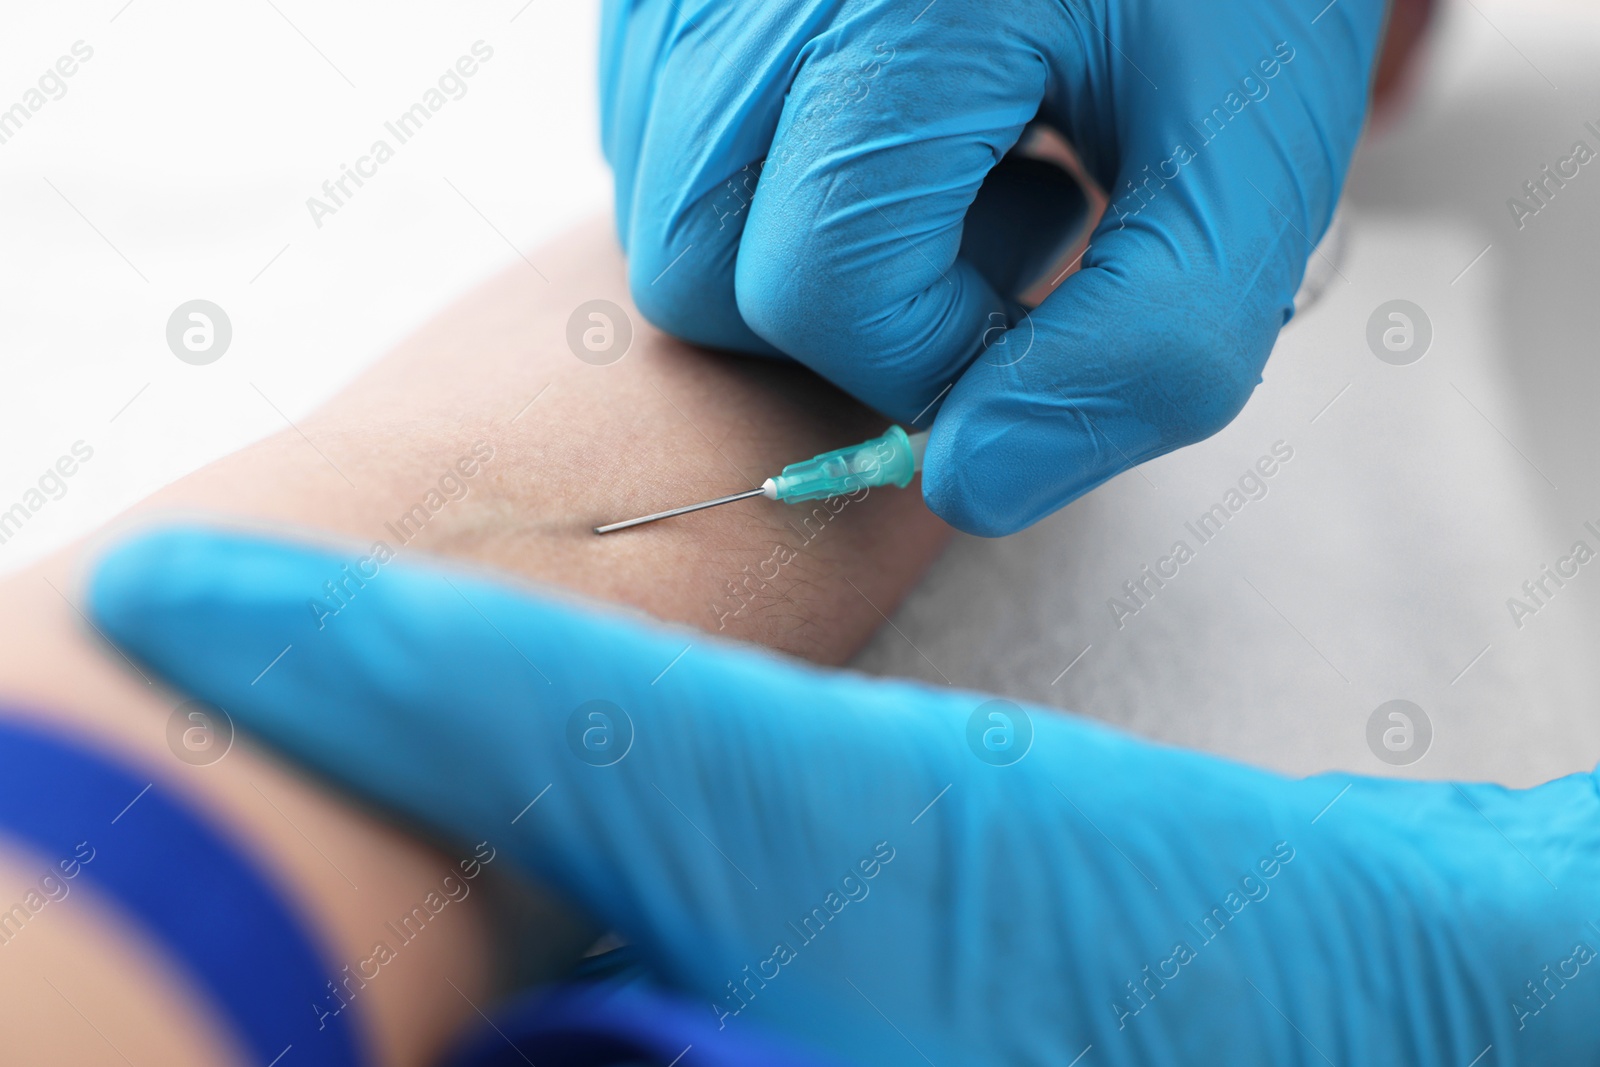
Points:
x=851, y=862
x=1221, y=131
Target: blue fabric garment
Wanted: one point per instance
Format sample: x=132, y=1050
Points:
x=179, y=878
x=618, y=1024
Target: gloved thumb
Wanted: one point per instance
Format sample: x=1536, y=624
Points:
x=1159, y=339
x=1123, y=363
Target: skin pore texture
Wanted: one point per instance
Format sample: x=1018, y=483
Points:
x=482, y=438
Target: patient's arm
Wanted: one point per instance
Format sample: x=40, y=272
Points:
x=664, y=426
x=388, y=461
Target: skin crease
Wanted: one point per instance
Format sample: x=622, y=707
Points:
x=664, y=426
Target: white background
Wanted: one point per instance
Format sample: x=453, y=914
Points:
x=191, y=141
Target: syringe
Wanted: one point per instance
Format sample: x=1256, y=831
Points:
x=891, y=459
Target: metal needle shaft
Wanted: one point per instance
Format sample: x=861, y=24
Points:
x=678, y=511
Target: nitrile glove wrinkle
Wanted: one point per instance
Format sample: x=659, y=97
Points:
x=798, y=177
x=827, y=853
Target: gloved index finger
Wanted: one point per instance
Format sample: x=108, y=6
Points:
x=850, y=259
x=691, y=110
x=679, y=808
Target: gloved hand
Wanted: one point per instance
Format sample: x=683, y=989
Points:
x=897, y=873
x=1221, y=131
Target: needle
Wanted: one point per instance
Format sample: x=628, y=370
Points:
x=758, y=491
x=890, y=459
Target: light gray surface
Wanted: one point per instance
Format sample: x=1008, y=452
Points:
x=1380, y=562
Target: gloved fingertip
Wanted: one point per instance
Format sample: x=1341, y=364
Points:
x=958, y=490
x=135, y=578
x=1001, y=458
x=174, y=597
